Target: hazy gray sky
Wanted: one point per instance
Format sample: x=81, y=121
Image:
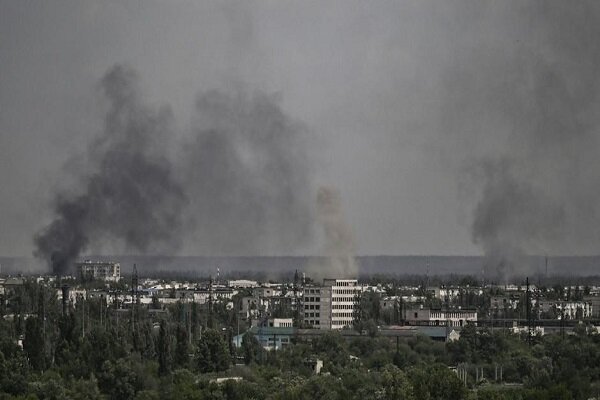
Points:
x=396, y=96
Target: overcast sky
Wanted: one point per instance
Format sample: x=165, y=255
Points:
x=375, y=84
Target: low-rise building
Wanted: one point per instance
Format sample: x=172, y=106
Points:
x=452, y=317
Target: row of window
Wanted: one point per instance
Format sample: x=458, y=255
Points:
x=346, y=291
x=346, y=299
x=345, y=283
x=312, y=307
x=312, y=315
x=343, y=307
x=312, y=291
x=313, y=322
x=342, y=315
x=312, y=299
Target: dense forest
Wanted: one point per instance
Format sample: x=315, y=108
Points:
x=93, y=351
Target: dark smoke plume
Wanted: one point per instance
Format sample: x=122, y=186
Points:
x=242, y=185
x=247, y=173
x=131, y=195
x=533, y=93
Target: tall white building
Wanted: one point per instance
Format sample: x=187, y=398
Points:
x=333, y=305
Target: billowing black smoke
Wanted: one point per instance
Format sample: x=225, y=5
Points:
x=240, y=184
x=131, y=195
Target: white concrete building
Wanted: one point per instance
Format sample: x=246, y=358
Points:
x=455, y=317
x=242, y=283
x=568, y=309
x=280, y=322
x=333, y=305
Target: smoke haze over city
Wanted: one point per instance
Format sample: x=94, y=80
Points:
x=448, y=128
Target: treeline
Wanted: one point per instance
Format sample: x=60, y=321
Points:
x=97, y=352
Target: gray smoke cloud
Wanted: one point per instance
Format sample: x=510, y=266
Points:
x=339, y=248
x=131, y=195
x=536, y=101
x=240, y=184
x=248, y=177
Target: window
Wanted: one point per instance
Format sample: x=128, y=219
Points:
x=317, y=299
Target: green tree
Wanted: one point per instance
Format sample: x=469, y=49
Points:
x=33, y=344
x=250, y=347
x=395, y=383
x=181, y=358
x=163, y=349
x=212, y=354
x=436, y=382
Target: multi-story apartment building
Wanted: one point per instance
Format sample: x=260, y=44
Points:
x=317, y=307
x=333, y=305
x=104, y=271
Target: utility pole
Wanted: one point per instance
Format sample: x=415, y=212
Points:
x=210, y=304
x=83, y=316
x=134, y=297
x=529, y=316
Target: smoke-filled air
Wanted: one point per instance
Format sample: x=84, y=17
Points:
x=239, y=184
x=131, y=195
x=247, y=175
x=534, y=97
x=452, y=128
x=339, y=244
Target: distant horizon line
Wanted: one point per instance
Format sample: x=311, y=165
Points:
x=299, y=256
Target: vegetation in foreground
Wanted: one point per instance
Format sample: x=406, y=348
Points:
x=181, y=355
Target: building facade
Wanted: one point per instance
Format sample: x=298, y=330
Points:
x=453, y=317
x=99, y=270
x=333, y=305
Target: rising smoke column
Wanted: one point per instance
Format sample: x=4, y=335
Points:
x=248, y=176
x=532, y=93
x=339, y=243
x=511, y=217
x=131, y=195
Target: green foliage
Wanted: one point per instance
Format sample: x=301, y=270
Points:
x=33, y=344
x=212, y=354
x=395, y=384
x=436, y=382
x=163, y=349
x=251, y=348
x=150, y=360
